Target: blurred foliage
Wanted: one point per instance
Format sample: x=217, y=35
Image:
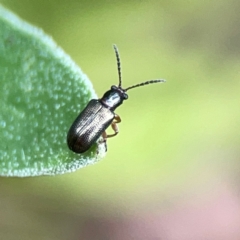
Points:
x=176, y=140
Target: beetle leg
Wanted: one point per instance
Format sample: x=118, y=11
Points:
x=104, y=136
x=117, y=118
x=114, y=126
x=115, y=129
x=104, y=140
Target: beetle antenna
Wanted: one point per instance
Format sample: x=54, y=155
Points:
x=118, y=65
x=145, y=83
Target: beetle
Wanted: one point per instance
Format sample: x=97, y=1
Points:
x=99, y=114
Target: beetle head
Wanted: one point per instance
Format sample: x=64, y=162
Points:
x=114, y=97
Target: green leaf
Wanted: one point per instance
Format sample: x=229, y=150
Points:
x=42, y=92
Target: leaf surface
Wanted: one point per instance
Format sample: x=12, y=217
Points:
x=42, y=92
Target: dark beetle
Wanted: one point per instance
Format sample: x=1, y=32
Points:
x=98, y=115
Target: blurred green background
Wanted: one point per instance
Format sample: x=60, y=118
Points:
x=173, y=171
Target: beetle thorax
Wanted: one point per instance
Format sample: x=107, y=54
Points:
x=114, y=97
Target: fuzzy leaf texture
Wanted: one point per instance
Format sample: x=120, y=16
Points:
x=42, y=92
